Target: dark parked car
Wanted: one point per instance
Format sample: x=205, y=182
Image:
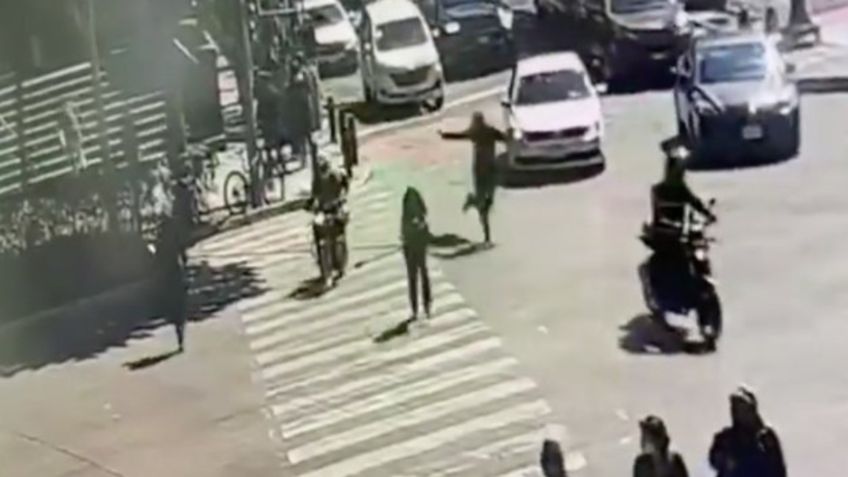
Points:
x=629, y=39
x=734, y=96
x=472, y=36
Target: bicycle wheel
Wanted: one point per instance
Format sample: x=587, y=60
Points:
x=236, y=192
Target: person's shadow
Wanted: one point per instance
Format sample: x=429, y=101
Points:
x=396, y=331
x=149, y=361
x=644, y=334
x=449, y=246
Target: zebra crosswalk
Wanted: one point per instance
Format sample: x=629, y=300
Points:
x=439, y=396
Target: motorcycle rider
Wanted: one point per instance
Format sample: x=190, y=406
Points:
x=671, y=197
x=328, y=196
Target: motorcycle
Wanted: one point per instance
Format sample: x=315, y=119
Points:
x=330, y=247
x=677, y=277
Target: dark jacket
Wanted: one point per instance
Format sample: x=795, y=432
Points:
x=644, y=466
x=415, y=232
x=669, y=201
x=740, y=453
x=484, y=139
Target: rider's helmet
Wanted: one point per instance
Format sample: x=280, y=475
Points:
x=676, y=155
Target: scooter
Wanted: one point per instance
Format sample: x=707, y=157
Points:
x=330, y=250
x=677, y=277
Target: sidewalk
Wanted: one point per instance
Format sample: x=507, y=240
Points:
x=824, y=68
x=74, y=406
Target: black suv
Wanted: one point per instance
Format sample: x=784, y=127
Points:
x=471, y=35
x=630, y=38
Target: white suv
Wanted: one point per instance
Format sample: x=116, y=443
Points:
x=400, y=63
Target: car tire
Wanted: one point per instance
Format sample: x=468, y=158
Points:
x=435, y=104
x=792, y=146
x=367, y=93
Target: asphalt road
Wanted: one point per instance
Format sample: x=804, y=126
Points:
x=561, y=286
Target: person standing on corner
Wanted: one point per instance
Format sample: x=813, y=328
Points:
x=415, y=236
x=748, y=447
x=656, y=460
x=484, y=137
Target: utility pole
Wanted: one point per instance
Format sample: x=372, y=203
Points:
x=246, y=94
x=102, y=129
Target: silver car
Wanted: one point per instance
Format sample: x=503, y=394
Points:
x=734, y=97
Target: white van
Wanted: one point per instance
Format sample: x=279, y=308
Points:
x=400, y=63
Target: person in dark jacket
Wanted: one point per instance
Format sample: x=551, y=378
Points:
x=171, y=283
x=415, y=236
x=656, y=459
x=484, y=137
x=552, y=460
x=748, y=448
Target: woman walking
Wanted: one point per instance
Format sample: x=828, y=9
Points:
x=415, y=235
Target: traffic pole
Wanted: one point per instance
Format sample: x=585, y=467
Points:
x=247, y=99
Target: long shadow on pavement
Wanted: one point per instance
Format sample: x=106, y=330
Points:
x=642, y=335
x=113, y=322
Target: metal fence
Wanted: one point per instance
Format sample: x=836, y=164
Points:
x=31, y=151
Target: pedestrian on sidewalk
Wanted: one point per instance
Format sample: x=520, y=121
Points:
x=415, y=236
x=484, y=137
x=303, y=109
x=552, y=460
x=748, y=447
x=656, y=458
x=171, y=283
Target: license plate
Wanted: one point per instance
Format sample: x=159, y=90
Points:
x=752, y=131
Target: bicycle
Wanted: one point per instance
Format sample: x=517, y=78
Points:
x=237, y=187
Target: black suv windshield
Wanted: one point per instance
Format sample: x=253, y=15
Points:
x=400, y=34
x=740, y=62
x=325, y=16
x=638, y=6
x=549, y=87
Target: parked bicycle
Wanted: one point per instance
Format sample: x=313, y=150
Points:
x=238, y=188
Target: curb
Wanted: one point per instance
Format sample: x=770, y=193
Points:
x=824, y=84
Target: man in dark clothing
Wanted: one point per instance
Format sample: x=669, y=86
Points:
x=303, y=108
x=748, y=448
x=415, y=236
x=172, y=286
x=484, y=168
x=671, y=196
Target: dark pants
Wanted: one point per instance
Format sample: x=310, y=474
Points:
x=485, y=183
x=174, y=296
x=416, y=266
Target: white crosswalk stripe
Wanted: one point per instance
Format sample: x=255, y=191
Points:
x=355, y=387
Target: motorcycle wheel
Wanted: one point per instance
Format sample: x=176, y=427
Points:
x=710, y=317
